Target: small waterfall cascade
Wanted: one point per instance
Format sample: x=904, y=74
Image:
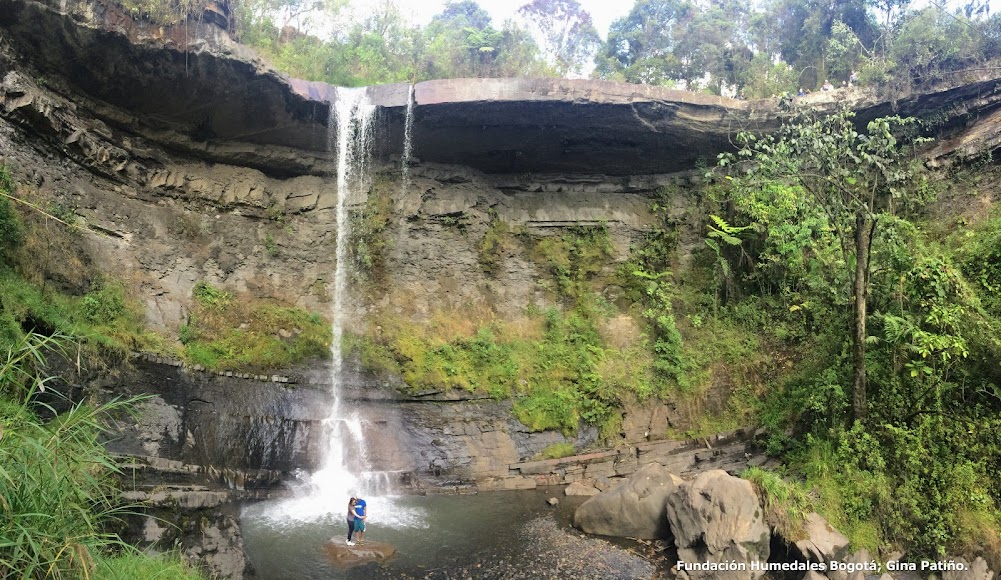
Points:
x=408, y=145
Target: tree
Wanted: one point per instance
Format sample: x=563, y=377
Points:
x=715, y=47
x=569, y=39
x=260, y=21
x=805, y=26
x=462, y=42
x=467, y=11
x=930, y=41
x=855, y=178
x=640, y=47
x=660, y=41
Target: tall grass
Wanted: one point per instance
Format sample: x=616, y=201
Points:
x=57, y=488
x=786, y=505
x=138, y=566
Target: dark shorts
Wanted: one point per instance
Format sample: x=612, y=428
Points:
x=359, y=525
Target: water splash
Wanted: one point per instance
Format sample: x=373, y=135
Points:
x=408, y=145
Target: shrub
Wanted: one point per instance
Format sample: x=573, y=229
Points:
x=11, y=230
x=227, y=333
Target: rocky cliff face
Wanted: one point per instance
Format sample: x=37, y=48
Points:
x=189, y=160
x=196, y=162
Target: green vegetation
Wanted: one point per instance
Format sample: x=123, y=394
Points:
x=731, y=44
x=551, y=361
x=132, y=566
x=369, y=239
x=785, y=503
x=384, y=47
x=557, y=451
x=495, y=243
x=164, y=11
x=911, y=463
x=57, y=480
x=854, y=180
x=101, y=313
x=104, y=319
x=227, y=332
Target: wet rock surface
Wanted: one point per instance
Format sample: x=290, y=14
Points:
x=344, y=556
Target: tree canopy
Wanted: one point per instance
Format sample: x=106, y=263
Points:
x=725, y=47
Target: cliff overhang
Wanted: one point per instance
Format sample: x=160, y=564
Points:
x=192, y=88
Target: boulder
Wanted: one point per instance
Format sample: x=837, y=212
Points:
x=858, y=557
x=823, y=543
x=344, y=556
x=633, y=509
x=717, y=518
x=978, y=570
x=580, y=488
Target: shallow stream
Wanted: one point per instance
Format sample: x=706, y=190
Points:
x=488, y=535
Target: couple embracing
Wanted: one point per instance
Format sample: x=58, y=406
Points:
x=357, y=512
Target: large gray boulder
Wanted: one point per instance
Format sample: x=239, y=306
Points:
x=978, y=570
x=633, y=509
x=822, y=543
x=717, y=518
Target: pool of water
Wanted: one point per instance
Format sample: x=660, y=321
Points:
x=433, y=535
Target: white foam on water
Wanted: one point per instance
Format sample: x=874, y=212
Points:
x=384, y=511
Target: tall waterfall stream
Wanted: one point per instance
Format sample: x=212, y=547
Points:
x=346, y=470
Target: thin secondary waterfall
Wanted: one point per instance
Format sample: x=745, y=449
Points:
x=345, y=466
x=408, y=131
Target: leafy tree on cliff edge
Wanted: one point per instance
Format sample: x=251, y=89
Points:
x=857, y=179
x=569, y=38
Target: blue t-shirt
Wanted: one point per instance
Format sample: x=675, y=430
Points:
x=360, y=508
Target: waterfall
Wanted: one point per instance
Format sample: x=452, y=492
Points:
x=346, y=470
x=345, y=462
x=408, y=131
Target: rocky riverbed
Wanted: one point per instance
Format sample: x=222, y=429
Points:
x=555, y=551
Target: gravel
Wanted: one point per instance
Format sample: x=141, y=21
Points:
x=555, y=552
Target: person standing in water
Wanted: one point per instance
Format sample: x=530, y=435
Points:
x=361, y=513
x=351, y=519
